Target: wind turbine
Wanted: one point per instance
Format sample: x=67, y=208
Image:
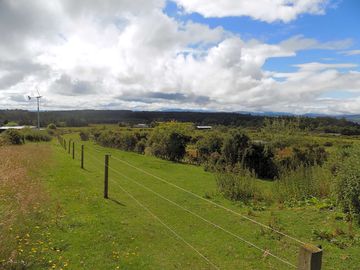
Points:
x=38, y=106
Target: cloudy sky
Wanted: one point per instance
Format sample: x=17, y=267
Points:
x=294, y=56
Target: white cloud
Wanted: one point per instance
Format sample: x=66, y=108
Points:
x=351, y=52
x=130, y=54
x=263, y=10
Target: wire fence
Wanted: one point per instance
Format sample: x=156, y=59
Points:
x=265, y=252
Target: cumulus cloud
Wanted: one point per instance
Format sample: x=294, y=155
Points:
x=130, y=54
x=351, y=52
x=263, y=10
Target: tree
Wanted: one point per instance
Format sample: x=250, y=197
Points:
x=169, y=140
x=235, y=147
x=209, y=144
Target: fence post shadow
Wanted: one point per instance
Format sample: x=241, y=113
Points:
x=116, y=201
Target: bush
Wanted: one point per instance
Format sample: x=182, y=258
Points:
x=348, y=184
x=303, y=183
x=209, y=144
x=140, y=146
x=37, y=136
x=168, y=141
x=51, y=126
x=237, y=187
x=12, y=136
x=234, y=147
x=84, y=136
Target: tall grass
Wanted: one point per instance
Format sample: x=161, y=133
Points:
x=20, y=197
x=36, y=135
x=303, y=183
x=238, y=187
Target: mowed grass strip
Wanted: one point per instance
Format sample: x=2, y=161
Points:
x=73, y=227
x=299, y=221
x=227, y=251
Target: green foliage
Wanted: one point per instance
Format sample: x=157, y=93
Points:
x=303, y=183
x=36, y=135
x=127, y=140
x=237, y=187
x=293, y=157
x=11, y=124
x=51, y=126
x=348, y=185
x=208, y=144
x=169, y=140
x=84, y=135
x=235, y=147
x=238, y=149
x=140, y=146
x=12, y=136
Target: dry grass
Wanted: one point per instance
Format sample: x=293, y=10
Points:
x=21, y=193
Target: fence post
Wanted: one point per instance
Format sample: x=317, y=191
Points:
x=64, y=144
x=106, y=177
x=310, y=258
x=82, y=156
x=69, y=146
x=73, y=150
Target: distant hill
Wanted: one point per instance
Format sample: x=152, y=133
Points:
x=353, y=118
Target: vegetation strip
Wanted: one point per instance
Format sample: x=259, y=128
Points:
x=266, y=252
x=166, y=226
x=209, y=201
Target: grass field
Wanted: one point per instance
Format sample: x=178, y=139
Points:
x=81, y=230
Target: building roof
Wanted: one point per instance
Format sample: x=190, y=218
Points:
x=15, y=127
x=204, y=127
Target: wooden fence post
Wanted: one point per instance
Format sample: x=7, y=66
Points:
x=106, y=177
x=69, y=146
x=64, y=144
x=82, y=156
x=310, y=258
x=73, y=150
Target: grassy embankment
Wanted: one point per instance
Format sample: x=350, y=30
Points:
x=81, y=230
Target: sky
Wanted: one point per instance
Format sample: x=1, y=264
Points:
x=295, y=56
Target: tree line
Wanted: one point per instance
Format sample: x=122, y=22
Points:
x=80, y=118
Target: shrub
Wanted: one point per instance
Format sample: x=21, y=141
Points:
x=140, y=146
x=36, y=136
x=291, y=158
x=209, y=144
x=51, y=126
x=234, y=147
x=12, y=136
x=237, y=187
x=168, y=141
x=348, y=184
x=303, y=183
x=84, y=136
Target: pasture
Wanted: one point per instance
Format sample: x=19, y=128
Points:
x=150, y=224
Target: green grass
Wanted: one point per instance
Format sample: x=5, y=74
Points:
x=89, y=232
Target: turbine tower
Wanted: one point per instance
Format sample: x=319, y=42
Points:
x=38, y=107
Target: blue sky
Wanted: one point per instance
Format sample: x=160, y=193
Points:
x=341, y=21
x=297, y=56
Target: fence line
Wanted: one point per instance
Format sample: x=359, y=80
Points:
x=310, y=257
x=265, y=252
x=162, y=222
x=170, y=229
x=207, y=200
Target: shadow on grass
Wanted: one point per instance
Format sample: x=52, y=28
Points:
x=116, y=201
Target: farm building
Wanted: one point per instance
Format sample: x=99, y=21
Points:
x=2, y=129
x=204, y=127
x=141, y=126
